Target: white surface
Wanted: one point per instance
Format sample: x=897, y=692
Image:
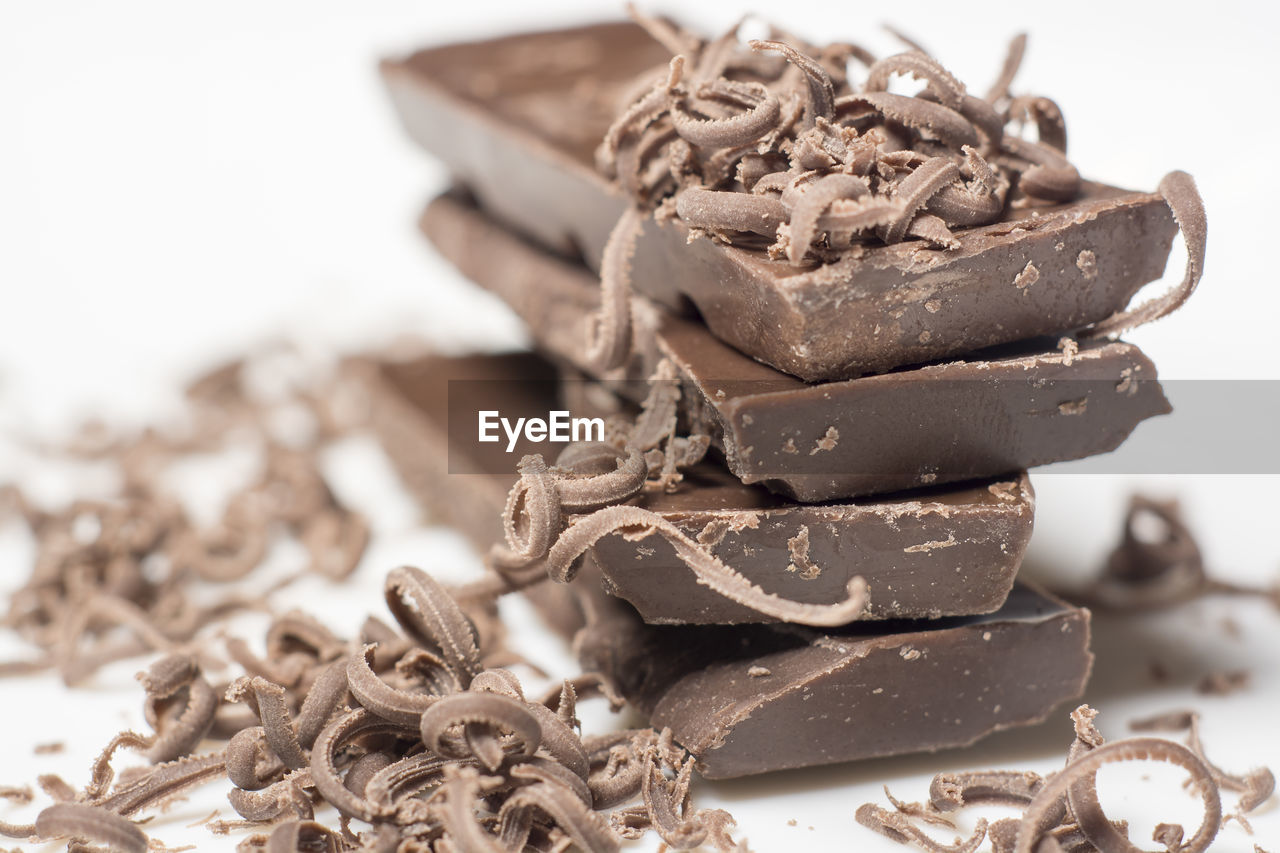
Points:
x=178, y=181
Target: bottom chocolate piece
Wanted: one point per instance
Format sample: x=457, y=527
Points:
x=752, y=699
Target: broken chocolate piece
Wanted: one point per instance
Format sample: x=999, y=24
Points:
x=1040, y=270
x=844, y=694
x=925, y=554
x=1001, y=410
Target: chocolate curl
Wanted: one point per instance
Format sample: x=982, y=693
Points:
x=710, y=570
x=1186, y=205
x=1077, y=782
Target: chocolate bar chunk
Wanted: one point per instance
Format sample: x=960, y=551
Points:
x=751, y=699
x=516, y=119
x=1001, y=410
x=925, y=554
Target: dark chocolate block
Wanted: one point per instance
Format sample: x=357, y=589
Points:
x=516, y=119
x=1001, y=410
x=751, y=699
x=924, y=554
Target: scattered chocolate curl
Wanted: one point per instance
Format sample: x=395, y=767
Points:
x=1062, y=811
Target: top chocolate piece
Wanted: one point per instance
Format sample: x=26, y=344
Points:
x=518, y=120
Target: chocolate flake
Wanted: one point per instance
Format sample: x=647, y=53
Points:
x=1223, y=683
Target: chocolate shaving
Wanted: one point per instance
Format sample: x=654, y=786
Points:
x=897, y=826
x=1223, y=683
x=1012, y=62
x=709, y=569
x=1158, y=563
x=1062, y=812
x=821, y=91
x=951, y=791
x=14, y=794
x=609, y=329
x=92, y=823
x=430, y=615
x=1051, y=127
x=1047, y=174
x=666, y=801
x=1179, y=191
x=481, y=715
x=180, y=706
x=942, y=85
x=713, y=210
x=1078, y=782
x=296, y=836
x=762, y=110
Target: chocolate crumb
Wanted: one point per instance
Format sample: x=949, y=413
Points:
x=1087, y=263
x=1029, y=276
x=827, y=442
x=50, y=748
x=1158, y=671
x=14, y=794
x=1223, y=683
x=1070, y=349
x=1074, y=407
x=798, y=547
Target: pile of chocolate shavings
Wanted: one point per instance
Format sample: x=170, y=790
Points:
x=1061, y=811
x=414, y=731
x=415, y=734
x=772, y=145
x=115, y=577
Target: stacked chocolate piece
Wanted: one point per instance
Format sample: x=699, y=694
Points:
x=878, y=310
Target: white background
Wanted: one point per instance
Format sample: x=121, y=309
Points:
x=180, y=181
